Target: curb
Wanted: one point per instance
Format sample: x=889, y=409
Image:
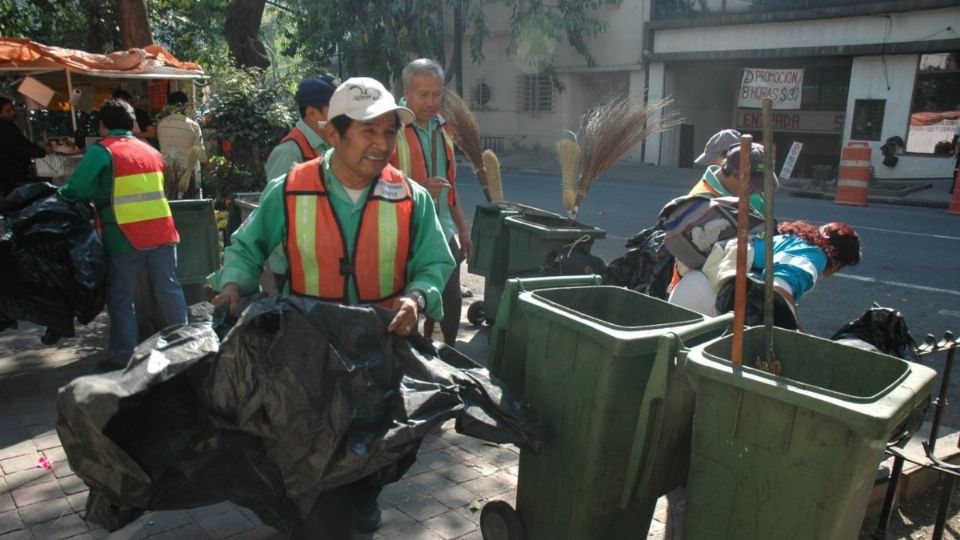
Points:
x=876, y=199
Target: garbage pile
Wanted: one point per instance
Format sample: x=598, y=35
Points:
x=54, y=266
x=300, y=398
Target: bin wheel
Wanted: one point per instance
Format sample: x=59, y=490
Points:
x=475, y=313
x=499, y=521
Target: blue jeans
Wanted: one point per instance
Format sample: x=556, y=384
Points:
x=122, y=274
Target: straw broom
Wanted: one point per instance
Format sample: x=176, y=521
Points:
x=568, y=153
x=492, y=166
x=609, y=131
x=466, y=134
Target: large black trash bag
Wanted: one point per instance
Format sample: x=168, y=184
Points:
x=56, y=264
x=646, y=267
x=304, y=397
x=336, y=398
x=783, y=314
x=880, y=329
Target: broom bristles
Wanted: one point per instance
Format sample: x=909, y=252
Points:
x=613, y=128
x=465, y=131
x=492, y=165
x=568, y=153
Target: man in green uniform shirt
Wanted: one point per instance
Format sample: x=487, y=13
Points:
x=354, y=229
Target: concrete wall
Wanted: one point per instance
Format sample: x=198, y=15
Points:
x=891, y=78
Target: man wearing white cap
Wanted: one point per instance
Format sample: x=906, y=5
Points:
x=355, y=229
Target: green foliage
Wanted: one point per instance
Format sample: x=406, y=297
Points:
x=253, y=113
x=192, y=30
x=82, y=24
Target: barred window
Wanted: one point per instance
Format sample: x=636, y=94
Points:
x=534, y=93
x=481, y=94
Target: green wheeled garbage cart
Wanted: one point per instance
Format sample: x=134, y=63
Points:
x=514, y=240
x=600, y=370
x=794, y=455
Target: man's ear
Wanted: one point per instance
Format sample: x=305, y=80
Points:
x=331, y=134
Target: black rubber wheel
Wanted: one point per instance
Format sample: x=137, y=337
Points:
x=499, y=521
x=475, y=313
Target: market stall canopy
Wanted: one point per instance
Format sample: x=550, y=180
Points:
x=151, y=62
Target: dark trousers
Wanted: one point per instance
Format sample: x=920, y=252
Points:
x=452, y=302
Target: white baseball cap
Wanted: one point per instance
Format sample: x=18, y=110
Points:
x=363, y=99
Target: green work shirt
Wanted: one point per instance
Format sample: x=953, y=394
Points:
x=428, y=269
x=433, y=145
x=92, y=181
x=285, y=154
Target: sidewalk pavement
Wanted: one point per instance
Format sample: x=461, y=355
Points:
x=929, y=193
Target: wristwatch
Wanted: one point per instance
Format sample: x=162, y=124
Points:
x=420, y=297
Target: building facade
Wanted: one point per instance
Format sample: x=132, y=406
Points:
x=844, y=70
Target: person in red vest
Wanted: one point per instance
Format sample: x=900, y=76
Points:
x=304, y=142
x=425, y=153
x=355, y=230
x=123, y=177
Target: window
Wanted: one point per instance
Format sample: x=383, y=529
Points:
x=534, y=93
x=825, y=88
x=867, y=119
x=481, y=94
x=935, y=109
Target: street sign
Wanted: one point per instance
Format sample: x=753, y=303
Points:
x=791, y=160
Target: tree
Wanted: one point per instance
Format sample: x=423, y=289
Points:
x=242, y=29
x=134, y=24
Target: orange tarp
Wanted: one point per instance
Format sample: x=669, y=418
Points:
x=23, y=54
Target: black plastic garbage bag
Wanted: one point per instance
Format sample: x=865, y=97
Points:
x=880, y=329
x=783, y=314
x=646, y=267
x=55, y=265
x=304, y=397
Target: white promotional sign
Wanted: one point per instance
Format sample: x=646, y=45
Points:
x=791, y=160
x=783, y=86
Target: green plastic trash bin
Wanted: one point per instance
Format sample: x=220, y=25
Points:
x=508, y=339
x=599, y=371
x=533, y=237
x=490, y=240
x=198, y=253
x=795, y=455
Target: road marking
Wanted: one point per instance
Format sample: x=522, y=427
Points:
x=898, y=284
x=949, y=313
x=939, y=236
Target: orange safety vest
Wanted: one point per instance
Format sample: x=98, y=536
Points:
x=139, y=204
x=320, y=265
x=300, y=138
x=409, y=157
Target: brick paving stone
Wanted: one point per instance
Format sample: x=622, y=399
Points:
x=22, y=534
x=191, y=531
x=422, y=509
x=78, y=501
x=436, y=459
x=133, y=531
x=62, y=527
x=460, y=473
x=17, y=448
x=29, y=495
x=45, y=442
x=251, y=515
x=6, y=503
x=157, y=522
x=450, y=525
x=394, y=520
x=262, y=532
x=10, y=521
x=20, y=463
x=473, y=535
x=72, y=484
x=28, y=477
x=453, y=496
x=413, y=532
x=489, y=487
x=44, y=511
x=226, y=524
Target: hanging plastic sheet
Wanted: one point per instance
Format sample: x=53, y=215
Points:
x=301, y=398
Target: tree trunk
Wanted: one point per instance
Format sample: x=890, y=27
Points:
x=455, y=69
x=134, y=25
x=242, y=28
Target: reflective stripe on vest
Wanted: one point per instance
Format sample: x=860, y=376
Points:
x=412, y=160
x=139, y=204
x=317, y=248
x=306, y=150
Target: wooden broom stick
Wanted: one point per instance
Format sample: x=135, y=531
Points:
x=743, y=224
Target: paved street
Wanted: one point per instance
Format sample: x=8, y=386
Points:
x=908, y=264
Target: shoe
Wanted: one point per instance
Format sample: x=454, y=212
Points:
x=367, y=520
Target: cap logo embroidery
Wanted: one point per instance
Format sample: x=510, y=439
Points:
x=361, y=93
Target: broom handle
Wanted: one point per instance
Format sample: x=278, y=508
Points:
x=740, y=283
x=768, y=232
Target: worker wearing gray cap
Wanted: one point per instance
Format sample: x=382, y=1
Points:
x=721, y=177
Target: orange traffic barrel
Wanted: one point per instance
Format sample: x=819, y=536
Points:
x=854, y=177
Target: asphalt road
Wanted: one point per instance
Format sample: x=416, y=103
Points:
x=911, y=255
